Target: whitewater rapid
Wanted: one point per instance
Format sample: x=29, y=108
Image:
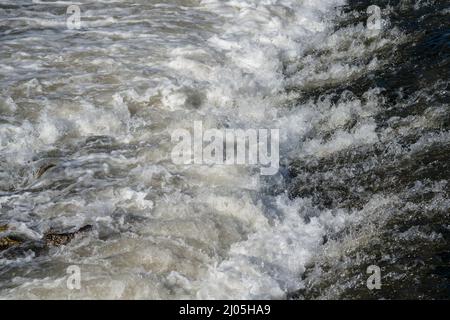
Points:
x=101, y=103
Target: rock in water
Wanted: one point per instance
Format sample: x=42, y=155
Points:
x=44, y=169
x=59, y=239
x=54, y=239
x=7, y=242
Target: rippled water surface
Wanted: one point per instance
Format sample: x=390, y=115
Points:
x=86, y=118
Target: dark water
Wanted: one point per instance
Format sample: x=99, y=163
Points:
x=410, y=241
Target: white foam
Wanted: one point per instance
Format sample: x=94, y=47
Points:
x=204, y=232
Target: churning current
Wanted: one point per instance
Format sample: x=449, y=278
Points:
x=87, y=177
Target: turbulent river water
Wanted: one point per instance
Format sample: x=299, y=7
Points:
x=364, y=149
